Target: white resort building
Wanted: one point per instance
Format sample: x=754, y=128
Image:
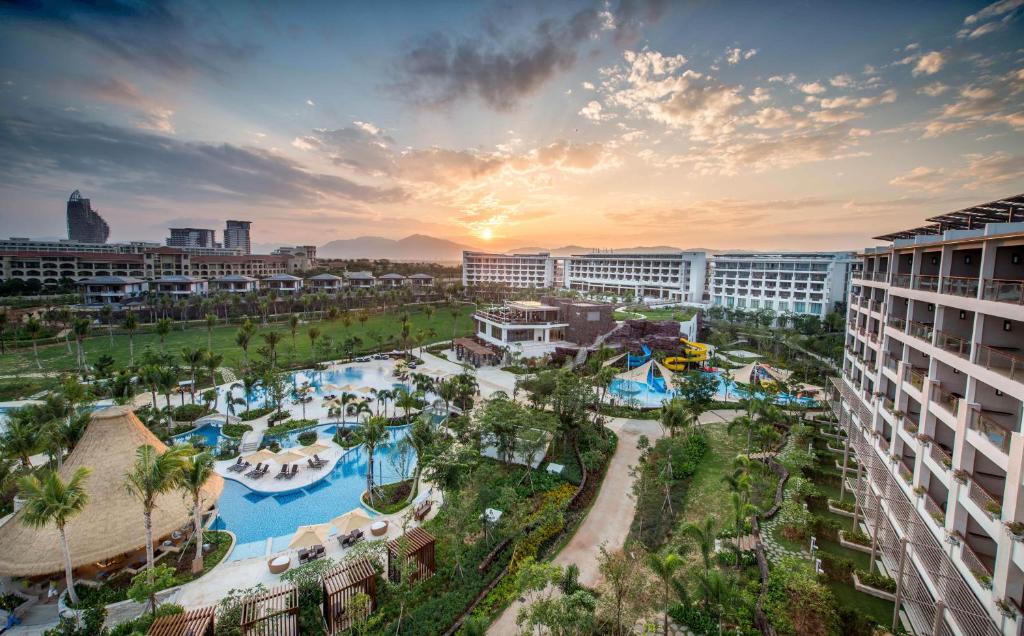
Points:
x=112, y=290
x=325, y=283
x=235, y=284
x=179, y=286
x=283, y=283
x=508, y=270
x=932, y=397
x=673, y=277
x=520, y=321
x=800, y=283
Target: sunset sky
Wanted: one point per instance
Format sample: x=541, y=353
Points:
x=779, y=125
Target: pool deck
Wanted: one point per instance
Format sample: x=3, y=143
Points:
x=245, y=573
x=303, y=478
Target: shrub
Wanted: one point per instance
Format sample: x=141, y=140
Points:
x=307, y=438
x=856, y=536
x=279, y=417
x=255, y=414
x=796, y=603
x=825, y=528
x=841, y=505
x=836, y=568
x=235, y=430
x=877, y=581
x=189, y=412
x=794, y=520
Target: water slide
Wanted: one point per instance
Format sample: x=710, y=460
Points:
x=693, y=352
x=635, y=361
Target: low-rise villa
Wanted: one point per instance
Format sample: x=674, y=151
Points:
x=113, y=290
x=325, y=283
x=179, y=286
x=421, y=280
x=235, y=284
x=283, y=283
x=392, y=280
x=360, y=279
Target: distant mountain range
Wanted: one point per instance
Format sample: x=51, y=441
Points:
x=422, y=248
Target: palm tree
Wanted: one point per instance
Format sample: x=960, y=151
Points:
x=242, y=340
x=163, y=327
x=190, y=480
x=293, y=326
x=33, y=329
x=152, y=475
x=211, y=322
x=313, y=334
x=193, y=359
x=741, y=510
x=406, y=400
x=107, y=312
x=704, y=536
x=21, y=438
x=359, y=408
x=345, y=398
x=167, y=381
x=421, y=436
x=52, y=500
x=81, y=330
x=374, y=432
x=4, y=319
x=665, y=565
x=212, y=362
x=272, y=339
x=382, y=396
x=131, y=323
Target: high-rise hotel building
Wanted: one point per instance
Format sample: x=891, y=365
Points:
x=85, y=225
x=672, y=276
x=931, y=400
x=788, y=282
x=508, y=270
x=236, y=236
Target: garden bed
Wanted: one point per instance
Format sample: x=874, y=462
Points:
x=394, y=497
x=873, y=591
x=255, y=414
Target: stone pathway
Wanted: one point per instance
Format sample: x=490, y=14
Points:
x=228, y=375
x=773, y=550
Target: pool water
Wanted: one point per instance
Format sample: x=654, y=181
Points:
x=644, y=395
x=255, y=517
x=209, y=432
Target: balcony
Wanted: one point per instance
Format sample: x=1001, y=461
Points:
x=925, y=282
x=946, y=399
x=954, y=344
x=995, y=432
x=966, y=287
x=1000, y=360
x=915, y=377
x=1004, y=291
x=920, y=330
x=941, y=456
x=900, y=324
x=986, y=501
x=977, y=567
x=901, y=280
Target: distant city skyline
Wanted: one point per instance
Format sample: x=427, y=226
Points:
x=504, y=125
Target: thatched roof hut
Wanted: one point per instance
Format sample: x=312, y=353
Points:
x=111, y=523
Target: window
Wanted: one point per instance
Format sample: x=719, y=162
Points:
x=800, y=308
x=755, y=303
x=741, y=302
x=593, y=316
x=730, y=301
x=816, y=309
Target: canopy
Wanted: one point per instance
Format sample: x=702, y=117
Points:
x=610, y=361
x=352, y=520
x=666, y=374
x=638, y=374
x=366, y=389
x=309, y=536
x=111, y=523
x=262, y=455
x=742, y=375
x=288, y=457
x=313, y=449
x=779, y=375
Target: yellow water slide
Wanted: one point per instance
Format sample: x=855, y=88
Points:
x=692, y=352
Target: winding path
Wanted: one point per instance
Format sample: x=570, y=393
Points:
x=610, y=517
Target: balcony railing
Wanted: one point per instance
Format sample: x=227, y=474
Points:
x=941, y=457
x=884, y=444
x=925, y=282
x=909, y=425
x=898, y=323
x=905, y=473
x=891, y=362
x=920, y=330
x=857, y=274
x=934, y=510
x=880, y=277
x=976, y=566
x=901, y=280
x=914, y=377
x=876, y=305
x=985, y=500
x=960, y=286
x=945, y=399
x=1002, y=362
x=995, y=432
x=1004, y=291
x=953, y=344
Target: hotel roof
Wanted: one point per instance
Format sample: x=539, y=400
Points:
x=235, y=278
x=110, y=280
x=325, y=277
x=393, y=276
x=178, y=279
x=1007, y=210
x=283, y=277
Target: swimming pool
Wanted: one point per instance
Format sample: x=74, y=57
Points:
x=209, y=432
x=645, y=395
x=256, y=517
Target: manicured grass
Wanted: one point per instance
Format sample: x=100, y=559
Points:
x=56, y=357
x=708, y=494
x=879, y=610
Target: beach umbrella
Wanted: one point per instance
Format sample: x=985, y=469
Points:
x=365, y=389
x=352, y=520
x=309, y=536
x=288, y=457
x=261, y=455
x=314, y=449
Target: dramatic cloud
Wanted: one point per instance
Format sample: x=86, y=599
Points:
x=144, y=163
x=592, y=111
x=152, y=35
x=994, y=169
x=995, y=102
x=361, y=146
x=149, y=113
x=440, y=69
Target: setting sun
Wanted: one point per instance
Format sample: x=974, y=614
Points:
x=486, y=234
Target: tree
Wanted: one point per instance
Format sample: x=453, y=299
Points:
x=52, y=500
x=698, y=390
x=4, y=321
x=107, y=313
x=293, y=326
x=502, y=419
x=665, y=566
x=153, y=474
x=81, y=329
x=163, y=327
x=33, y=329
x=703, y=535
x=675, y=415
x=624, y=594
x=372, y=434
x=212, y=362
x=131, y=323
x=21, y=437
x=193, y=359
x=242, y=337
x=313, y=333
x=406, y=400
x=272, y=339
x=194, y=474
x=421, y=437
x=211, y=322
x=146, y=584
x=545, y=608
x=569, y=403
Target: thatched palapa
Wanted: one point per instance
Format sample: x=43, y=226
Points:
x=111, y=523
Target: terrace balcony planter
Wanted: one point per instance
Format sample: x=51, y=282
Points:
x=925, y=439
x=953, y=537
x=994, y=509
x=938, y=516
x=853, y=545
x=1006, y=608
x=961, y=475
x=1015, y=529
x=872, y=591
x=919, y=491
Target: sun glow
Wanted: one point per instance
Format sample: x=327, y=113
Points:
x=486, y=234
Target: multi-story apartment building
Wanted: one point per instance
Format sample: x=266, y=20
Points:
x=508, y=270
x=800, y=283
x=112, y=290
x=931, y=399
x=236, y=236
x=192, y=237
x=674, y=277
x=84, y=223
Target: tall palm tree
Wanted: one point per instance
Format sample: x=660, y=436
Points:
x=193, y=359
x=374, y=432
x=382, y=397
x=52, y=500
x=703, y=535
x=131, y=323
x=293, y=326
x=421, y=436
x=407, y=401
x=212, y=362
x=163, y=327
x=22, y=436
x=272, y=339
x=242, y=338
x=193, y=475
x=211, y=322
x=152, y=475
x=107, y=312
x=33, y=329
x=4, y=319
x=81, y=330
x=313, y=334
x=665, y=566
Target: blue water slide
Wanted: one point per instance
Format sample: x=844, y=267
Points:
x=635, y=361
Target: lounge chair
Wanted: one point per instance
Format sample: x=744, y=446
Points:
x=422, y=510
x=283, y=472
x=240, y=468
x=314, y=465
x=236, y=465
x=351, y=538
x=255, y=471
x=262, y=472
x=295, y=471
x=319, y=462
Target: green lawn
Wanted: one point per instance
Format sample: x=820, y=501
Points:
x=57, y=358
x=669, y=313
x=708, y=494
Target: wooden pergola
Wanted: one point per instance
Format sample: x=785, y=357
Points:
x=273, y=613
x=415, y=545
x=341, y=586
x=197, y=622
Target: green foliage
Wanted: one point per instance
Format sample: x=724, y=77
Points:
x=794, y=520
x=91, y=624
x=836, y=568
x=291, y=425
x=878, y=581
x=668, y=465
x=307, y=578
x=142, y=624
x=189, y=412
x=142, y=591
x=229, y=610
x=255, y=414
x=235, y=431
x=796, y=603
x=307, y=438
x=857, y=536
